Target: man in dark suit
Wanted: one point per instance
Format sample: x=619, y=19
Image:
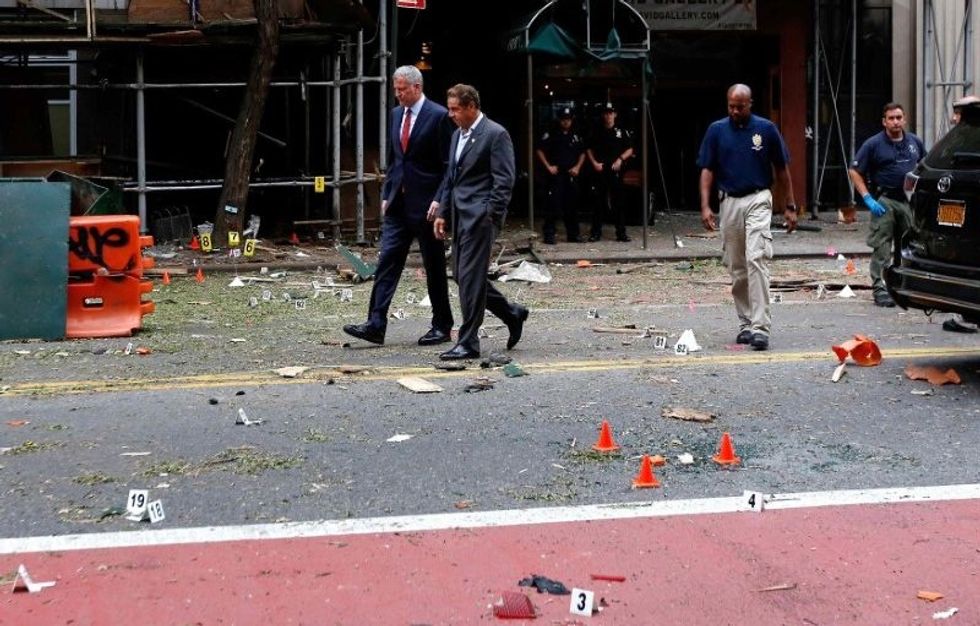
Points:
x=418, y=151
x=475, y=196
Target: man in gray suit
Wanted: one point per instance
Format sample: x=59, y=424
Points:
x=475, y=196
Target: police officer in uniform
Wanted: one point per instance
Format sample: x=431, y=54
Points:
x=562, y=154
x=883, y=161
x=608, y=151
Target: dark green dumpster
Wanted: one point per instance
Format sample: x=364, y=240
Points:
x=33, y=258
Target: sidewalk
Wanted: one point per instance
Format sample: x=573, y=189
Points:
x=814, y=238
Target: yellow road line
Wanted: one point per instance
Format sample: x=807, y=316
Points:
x=367, y=373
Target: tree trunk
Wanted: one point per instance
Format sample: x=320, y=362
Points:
x=241, y=147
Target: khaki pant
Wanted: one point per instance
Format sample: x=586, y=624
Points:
x=746, y=250
x=898, y=218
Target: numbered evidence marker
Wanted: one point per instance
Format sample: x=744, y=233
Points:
x=234, y=239
x=250, y=246
x=136, y=504
x=660, y=341
x=206, y=244
x=300, y=304
x=24, y=582
x=753, y=501
x=319, y=184
x=266, y=295
x=680, y=349
x=156, y=511
x=581, y=603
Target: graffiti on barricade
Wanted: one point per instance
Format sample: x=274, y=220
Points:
x=102, y=245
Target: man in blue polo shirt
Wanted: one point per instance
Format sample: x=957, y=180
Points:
x=883, y=161
x=738, y=156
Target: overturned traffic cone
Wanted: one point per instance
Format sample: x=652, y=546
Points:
x=645, y=479
x=166, y=278
x=294, y=238
x=195, y=244
x=199, y=277
x=863, y=350
x=726, y=452
x=605, y=442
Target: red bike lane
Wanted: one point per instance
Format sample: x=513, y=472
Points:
x=848, y=564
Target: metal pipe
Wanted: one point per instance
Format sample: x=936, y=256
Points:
x=927, y=61
x=530, y=138
x=141, y=142
x=335, y=129
x=854, y=29
x=815, y=158
x=134, y=86
x=306, y=139
x=231, y=120
x=359, y=137
x=154, y=187
x=644, y=128
x=383, y=88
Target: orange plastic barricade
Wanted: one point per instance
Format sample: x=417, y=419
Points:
x=106, y=306
x=107, y=244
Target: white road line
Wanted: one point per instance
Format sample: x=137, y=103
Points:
x=514, y=517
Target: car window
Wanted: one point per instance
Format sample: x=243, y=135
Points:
x=963, y=139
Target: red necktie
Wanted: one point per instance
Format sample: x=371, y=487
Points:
x=406, y=128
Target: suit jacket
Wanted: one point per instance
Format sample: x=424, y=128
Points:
x=421, y=169
x=480, y=183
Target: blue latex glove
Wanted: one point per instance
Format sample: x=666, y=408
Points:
x=877, y=209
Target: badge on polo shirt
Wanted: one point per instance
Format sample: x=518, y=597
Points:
x=757, y=142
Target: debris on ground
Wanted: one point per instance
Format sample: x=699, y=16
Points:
x=687, y=415
x=782, y=587
x=513, y=370
x=929, y=596
x=838, y=372
x=945, y=614
x=463, y=504
x=513, y=605
x=545, y=585
x=449, y=366
x=933, y=374
x=685, y=458
x=529, y=272
x=398, y=438
x=480, y=384
x=632, y=268
x=495, y=360
x=609, y=577
x=416, y=384
x=292, y=371
x=243, y=419
x=862, y=350
x=923, y=392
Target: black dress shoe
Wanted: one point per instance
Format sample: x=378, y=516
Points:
x=883, y=299
x=517, y=327
x=433, y=337
x=624, y=238
x=458, y=352
x=365, y=332
x=954, y=326
x=744, y=337
x=576, y=239
x=760, y=341
x=595, y=237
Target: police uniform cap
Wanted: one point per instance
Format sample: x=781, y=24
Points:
x=609, y=106
x=565, y=113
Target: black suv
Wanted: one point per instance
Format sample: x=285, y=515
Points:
x=937, y=265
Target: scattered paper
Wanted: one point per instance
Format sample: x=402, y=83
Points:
x=243, y=419
x=688, y=415
x=416, y=384
x=838, y=372
x=782, y=587
x=292, y=371
x=923, y=392
x=399, y=438
x=685, y=458
x=134, y=453
x=23, y=582
x=946, y=614
x=529, y=272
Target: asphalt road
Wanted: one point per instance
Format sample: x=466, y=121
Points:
x=322, y=450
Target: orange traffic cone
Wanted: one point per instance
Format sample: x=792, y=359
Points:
x=294, y=238
x=199, y=277
x=195, y=244
x=605, y=442
x=726, y=452
x=166, y=278
x=645, y=478
x=863, y=350
x=849, y=269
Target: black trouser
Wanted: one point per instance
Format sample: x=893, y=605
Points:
x=609, y=199
x=562, y=201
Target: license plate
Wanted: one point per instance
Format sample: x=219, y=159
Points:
x=951, y=213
